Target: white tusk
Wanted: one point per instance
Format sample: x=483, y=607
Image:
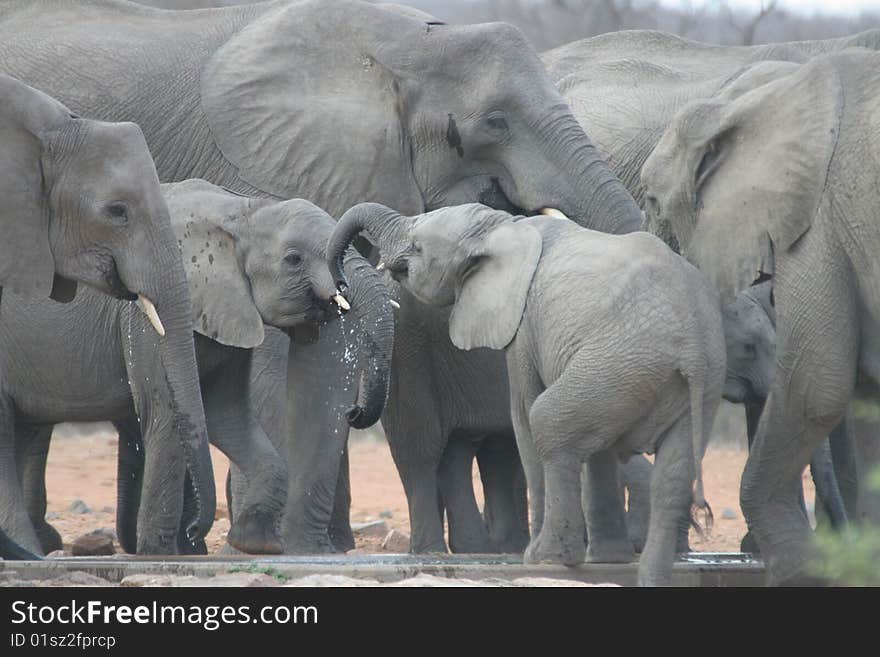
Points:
x=380, y=266
x=552, y=212
x=150, y=311
x=341, y=302
x=394, y=304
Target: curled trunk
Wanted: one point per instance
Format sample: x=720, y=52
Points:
x=374, y=335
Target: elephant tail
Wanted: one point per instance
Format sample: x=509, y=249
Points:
x=696, y=386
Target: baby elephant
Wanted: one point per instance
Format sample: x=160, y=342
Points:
x=614, y=346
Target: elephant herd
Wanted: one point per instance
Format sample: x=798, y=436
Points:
x=549, y=263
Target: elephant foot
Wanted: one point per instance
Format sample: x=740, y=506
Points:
x=429, y=549
x=300, y=543
x=515, y=544
x=611, y=551
x=749, y=544
x=550, y=547
x=255, y=532
x=341, y=538
x=50, y=539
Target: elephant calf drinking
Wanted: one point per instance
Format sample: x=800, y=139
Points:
x=248, y=262
x=614, y=346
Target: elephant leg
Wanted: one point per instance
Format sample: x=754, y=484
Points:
x=505, y=507
x=320, y=391
x=525, y=387
x=800, y=410
x=827, y=491
x=32, y=450
x=467, y=531
x=129, y=480
x=635, y=475
x=671, y=494
x=236, y=432
x=562, y=447
x=753, y=417
x=14, y=518
x=417, y=437
x=340, y=521
x=602, y=504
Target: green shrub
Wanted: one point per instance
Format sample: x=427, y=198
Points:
x=850, y=557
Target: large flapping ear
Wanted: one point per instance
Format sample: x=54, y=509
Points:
x=205, y=218
x=490, y=301
x=758, y=173
x=27, y=266
x=302, y=99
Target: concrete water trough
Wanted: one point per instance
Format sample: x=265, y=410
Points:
x=696, y=569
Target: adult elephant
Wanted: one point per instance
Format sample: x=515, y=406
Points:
x=248, y=261
x=340, y=102
x=626, y=87
x=781, y=178
x=80, y=201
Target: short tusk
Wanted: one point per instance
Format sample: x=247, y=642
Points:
x=553, y=212
x=394, y=304
x=380, y=266
x=150, y=311
x=341, y=302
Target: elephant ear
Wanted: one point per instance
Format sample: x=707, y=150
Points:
x=205, y=219
x=490, y=301
x=752, y=172
x=27, y=266
x=299, y=100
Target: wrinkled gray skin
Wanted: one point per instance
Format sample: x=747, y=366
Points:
x=750, y=338
x=80, y=202
x=781, y=178
x=249, y=262
x=626, y=87
x=546, y=292
x=251, y=98
x=750, y=335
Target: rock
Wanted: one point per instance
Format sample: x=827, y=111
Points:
x=433, y=581
x=76, y=578
x=374, y=528
x=93, y=544
x=549, y=581
x=78, y=506
x=396, y=541
x=386, y=513
x=728, y=514
x=53, y=515
x=334, y=581
x=57, y=554
x=224, y=580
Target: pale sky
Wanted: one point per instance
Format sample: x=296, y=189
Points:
x=844, y=7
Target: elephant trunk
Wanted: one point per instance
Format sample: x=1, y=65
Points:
x=374, y=317
x=382, y=223
x=583, y=185
x=370, y=301
x=166, y=286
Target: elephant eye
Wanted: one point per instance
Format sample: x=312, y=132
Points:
x=117, y=210
x=497, y=122
x=293, y=258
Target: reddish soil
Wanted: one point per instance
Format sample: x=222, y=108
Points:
x=84, y=467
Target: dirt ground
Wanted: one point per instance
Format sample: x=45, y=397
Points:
x=83, y=467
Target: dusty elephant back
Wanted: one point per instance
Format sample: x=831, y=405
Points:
x=43, y=44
